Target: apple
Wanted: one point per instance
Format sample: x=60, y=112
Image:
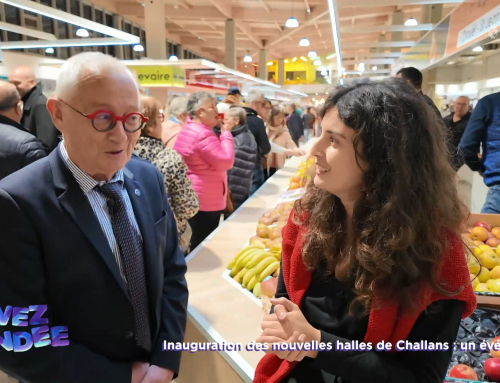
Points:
x=462, y=371
x=496, y=232
x=486, y=225
x=479, y=234
x=492, y=369
x=495, y=353
x=268, y=287
x=493, y=242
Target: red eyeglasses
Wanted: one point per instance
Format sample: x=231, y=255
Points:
x=104, y=120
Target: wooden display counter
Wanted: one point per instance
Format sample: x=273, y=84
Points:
x=219, y=311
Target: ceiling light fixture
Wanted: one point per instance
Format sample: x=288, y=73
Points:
x=317, y=62
x=411, y=22
x=374, y=67
x=303, y=58
x=49, y=51
x=138, y=48
x=308, y=10
x=451, y=62
x=304, y=42
x=330, y=56
x=82, y=32
x=286, y=61
x=292, y=22
x=269, y=63
x=294, y=59
x=173, y=58
x=312, y=54
x=478, y=49
x=247, y=58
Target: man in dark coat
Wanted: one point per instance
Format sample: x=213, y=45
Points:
x=36, y=117
x=294, y=123
x=18, y=147
x=255, y=101
x=239, y=177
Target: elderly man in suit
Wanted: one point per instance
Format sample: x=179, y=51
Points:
x=88, y=232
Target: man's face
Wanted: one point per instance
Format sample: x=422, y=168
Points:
x=100, y=154
x=258, y=104
x=266, y=109
x=22, y=82
x=461, y=106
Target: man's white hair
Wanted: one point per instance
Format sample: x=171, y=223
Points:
x=85, y=63
x=253, y=95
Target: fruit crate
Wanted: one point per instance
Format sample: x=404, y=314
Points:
x=486, y=299
x=482, y=326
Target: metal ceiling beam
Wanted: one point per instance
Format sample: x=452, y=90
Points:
x=53, y=13
x=387, y=28
x=27, y=31
x=370, y=3
x=38, y=44
x=369, y=61
x=378, y=44
x=360, y=56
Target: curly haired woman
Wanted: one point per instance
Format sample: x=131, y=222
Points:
x=372, y=252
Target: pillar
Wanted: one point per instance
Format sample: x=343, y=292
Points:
x=431, y=14
x=230, y=44
x=117, y=24
x=281, y=72
x=263, y=64
x=397, y=19
x=156, y=35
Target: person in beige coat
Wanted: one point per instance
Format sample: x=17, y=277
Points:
x=177, y=111
x=278, y=133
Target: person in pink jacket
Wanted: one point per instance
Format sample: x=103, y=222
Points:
x=208, y=159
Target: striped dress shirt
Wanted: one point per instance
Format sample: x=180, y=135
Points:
x=99, y=204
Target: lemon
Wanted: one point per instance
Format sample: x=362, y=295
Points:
x=484, y=275
x=482, y=288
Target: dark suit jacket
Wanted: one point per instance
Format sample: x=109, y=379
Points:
x=18, y=147
x=37, y=120
x=296, y=127
x=54, y=252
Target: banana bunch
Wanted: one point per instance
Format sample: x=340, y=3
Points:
x=253, y=264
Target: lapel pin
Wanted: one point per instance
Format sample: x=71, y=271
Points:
x=137, y=192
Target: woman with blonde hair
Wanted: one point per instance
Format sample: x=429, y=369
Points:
x=279, y=134
x=181, y=196
x=177, y=114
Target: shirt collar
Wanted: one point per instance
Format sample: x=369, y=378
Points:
x=86, y=182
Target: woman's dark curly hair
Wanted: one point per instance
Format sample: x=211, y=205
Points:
x=410, y=197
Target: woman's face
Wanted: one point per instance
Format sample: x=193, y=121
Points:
x=279, y=120
x=336, y=168
x=207, y=113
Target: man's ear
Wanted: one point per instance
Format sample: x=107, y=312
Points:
x=54, y=108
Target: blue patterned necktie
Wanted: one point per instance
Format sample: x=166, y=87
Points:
x=132, y=260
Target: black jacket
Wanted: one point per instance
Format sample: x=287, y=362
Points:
x=18, y=147
x=295, y=126
x=258, y=129
x=455, y=132
x=239, y=177
x=53, y=252
x=37, y=120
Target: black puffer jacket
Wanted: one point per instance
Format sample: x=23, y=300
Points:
x=18, y=147
x=239, y=177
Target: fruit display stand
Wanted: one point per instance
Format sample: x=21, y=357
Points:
x=486, y=299
x=219, y=309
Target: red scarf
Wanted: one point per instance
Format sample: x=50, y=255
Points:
x=384, y=323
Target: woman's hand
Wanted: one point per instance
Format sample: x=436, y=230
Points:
x=281, y=326
x=294, y=152
x=295, y=355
